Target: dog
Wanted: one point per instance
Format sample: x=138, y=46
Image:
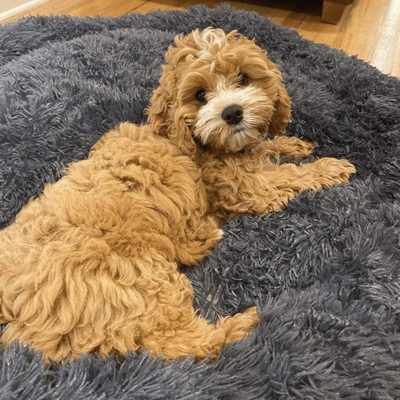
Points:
x=92, y=265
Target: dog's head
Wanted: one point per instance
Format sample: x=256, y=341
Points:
x=218, y=92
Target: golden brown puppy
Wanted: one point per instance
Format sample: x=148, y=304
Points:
x=92, y=264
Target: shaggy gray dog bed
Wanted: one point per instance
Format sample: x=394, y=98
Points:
x=324, y=273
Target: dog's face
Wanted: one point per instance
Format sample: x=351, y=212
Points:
x=218, y=92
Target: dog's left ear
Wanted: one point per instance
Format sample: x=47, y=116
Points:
x=282, y=115
x=164, y=113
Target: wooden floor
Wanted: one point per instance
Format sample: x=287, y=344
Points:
x=368, y=28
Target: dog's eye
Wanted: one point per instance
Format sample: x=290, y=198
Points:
x=201, y=96
x=242, y=79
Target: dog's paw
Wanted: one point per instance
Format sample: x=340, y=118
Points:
x=333, y=171
x=301, y=148
x=285, y=146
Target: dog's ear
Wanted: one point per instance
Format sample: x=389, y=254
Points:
x=282, y=114
x=157, y=112
x=165, y=116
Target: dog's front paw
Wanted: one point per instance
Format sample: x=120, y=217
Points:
x=300, y=148
x=332, y=171
x=285, y=146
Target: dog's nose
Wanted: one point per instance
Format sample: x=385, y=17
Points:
x=233, y=114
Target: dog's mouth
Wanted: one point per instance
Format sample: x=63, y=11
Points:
x=243, y=138
x=238, y=130
x=231, y=139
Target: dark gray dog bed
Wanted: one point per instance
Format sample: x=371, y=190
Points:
x=324, y=273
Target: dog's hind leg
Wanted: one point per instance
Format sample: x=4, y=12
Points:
x=199, y=338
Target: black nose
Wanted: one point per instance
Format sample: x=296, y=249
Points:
x=233, y=114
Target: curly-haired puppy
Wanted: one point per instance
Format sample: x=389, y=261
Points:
x=92, y=264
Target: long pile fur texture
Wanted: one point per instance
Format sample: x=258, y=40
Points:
x=323, y=273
